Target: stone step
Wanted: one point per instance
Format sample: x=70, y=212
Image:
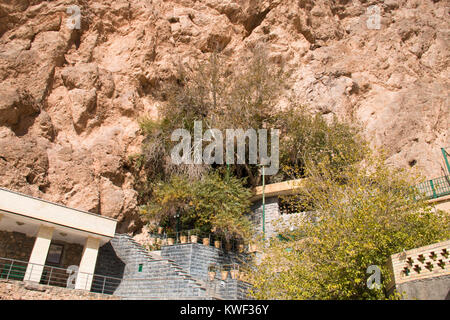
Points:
x=160, y=278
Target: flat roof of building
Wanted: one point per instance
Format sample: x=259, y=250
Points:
x=55, y=213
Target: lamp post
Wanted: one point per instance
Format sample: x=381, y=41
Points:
x=444, y=153
x=263, y=202
x=177, y=226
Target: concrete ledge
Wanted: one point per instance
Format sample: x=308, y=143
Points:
x=442, y=203
x=278, y=189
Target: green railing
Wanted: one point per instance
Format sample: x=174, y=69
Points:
x=435, y=188
x=11, y=269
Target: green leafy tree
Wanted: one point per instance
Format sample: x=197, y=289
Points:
x=169, y=199
x=223, y=204
x=360, y=218
x=210, y=202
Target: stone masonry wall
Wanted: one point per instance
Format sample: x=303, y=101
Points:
x=15, y=245
x=18, y=246
x=108, y=263
x=71, y=255
x=148, y=277
x=195, y=258
x=19, y=290
x=272, y=213
x=232, y=289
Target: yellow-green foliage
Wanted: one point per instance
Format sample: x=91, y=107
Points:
x=212, y=202
x=361, y=218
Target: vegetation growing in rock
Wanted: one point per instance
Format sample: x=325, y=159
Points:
x=211, y=203
x=224, y=99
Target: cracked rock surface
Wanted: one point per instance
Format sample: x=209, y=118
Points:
x=70, y=98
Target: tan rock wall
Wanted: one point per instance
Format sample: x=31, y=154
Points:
x=70, y=99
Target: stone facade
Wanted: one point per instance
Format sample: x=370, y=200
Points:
x=231, y=289
x=272, y=213
x=179, y=272
x=195, y=258
x=19, y=290
x=15, y=245
x=150, y=277
x=18, y=246
x=71, y=255
x=108, y=263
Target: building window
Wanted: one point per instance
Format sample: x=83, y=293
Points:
x=54, y=254
x=293, y=204
x=286, y=205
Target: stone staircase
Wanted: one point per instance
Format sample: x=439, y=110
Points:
x=148, y=276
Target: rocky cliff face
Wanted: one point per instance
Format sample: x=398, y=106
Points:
x=70, y=98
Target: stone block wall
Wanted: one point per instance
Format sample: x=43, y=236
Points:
x=180, y=272
x=108, y=263
x=232, y=289
x=71, y=255
x=148, y=277
x=272, y=213
x=18, y=246
x=195, y=258
x=15, y=245
x=19, y=290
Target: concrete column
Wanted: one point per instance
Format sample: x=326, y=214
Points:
x=87, y=264
x=39, y=254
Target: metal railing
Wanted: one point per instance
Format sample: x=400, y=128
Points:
x=104, y=284
x=435, y=188
x=11, y=269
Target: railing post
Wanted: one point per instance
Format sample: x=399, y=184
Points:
x=104, y=281
x=9, y=271
x=444, y=153
x=263, y=204
x=31, y=271
x=432, y=188
x=50, y=276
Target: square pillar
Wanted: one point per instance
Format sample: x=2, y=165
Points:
x=39, y=254
x=87, y=264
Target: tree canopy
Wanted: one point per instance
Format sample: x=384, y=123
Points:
x=359, y=219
